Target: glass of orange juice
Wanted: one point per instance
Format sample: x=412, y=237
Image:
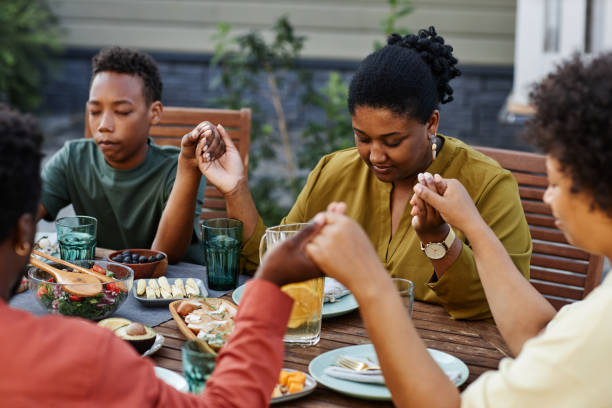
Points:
x=304, y=327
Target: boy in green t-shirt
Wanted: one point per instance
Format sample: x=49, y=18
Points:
x=143, y=195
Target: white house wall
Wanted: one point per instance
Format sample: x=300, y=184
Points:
x=482, y=31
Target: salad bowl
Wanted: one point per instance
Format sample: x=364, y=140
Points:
x=59, y=298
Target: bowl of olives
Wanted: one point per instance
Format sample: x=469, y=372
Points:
x=146, y=263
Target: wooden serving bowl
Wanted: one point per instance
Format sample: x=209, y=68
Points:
x=145, y=270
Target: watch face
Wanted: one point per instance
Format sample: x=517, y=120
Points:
x=435, y=250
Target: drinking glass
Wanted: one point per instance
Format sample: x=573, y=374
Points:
x=304, y=327
x=76, y=236
x=221, y=238
x=405, y=288
x=198, y=365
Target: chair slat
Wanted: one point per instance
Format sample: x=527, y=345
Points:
x=193, y=116
x=547, y=234
x=212, y=192
x=558, y=276
x=535, y=206
x=214, y=203
x=558, y=290
x=530, y=179
x=561, y=250
x=534, y=193
x=516, y=160
x=540, y=220
x=557, y=302
x=559, y=263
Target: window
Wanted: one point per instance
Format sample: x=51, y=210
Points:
x=552, y=25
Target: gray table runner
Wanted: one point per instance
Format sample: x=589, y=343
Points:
x=132, y=309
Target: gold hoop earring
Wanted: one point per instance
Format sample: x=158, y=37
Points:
x=434, y=146
x=23, y=250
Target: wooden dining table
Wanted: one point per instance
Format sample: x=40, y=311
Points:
x=477, y=343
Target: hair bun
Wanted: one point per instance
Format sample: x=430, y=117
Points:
x=439, y=56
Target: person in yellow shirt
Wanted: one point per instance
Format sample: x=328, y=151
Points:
x=560, y=357
x=393, y=99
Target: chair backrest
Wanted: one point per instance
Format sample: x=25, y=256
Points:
x=560, y=271
x=177, y=121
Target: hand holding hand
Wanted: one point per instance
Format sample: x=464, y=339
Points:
x=288, y=262
x=342, y=249
x=204, y=134
x=426, y=220
x=225, y=172
x=451, y=201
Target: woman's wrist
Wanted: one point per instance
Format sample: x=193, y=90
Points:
x=187, y=167
x=434, y=235
x=238, y=190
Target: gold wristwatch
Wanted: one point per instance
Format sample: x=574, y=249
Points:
x=438, y=250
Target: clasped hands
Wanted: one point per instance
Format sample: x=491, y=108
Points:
x=337, y=246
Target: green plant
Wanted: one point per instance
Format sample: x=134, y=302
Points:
x=29, y=35
x=253, y=74
x=335, y=131
x=388, y=25
x=259, y=74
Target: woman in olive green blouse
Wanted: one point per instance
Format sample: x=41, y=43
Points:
x=393, y=99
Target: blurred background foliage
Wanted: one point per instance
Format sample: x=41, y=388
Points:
x=259, y=71
x=29, y=37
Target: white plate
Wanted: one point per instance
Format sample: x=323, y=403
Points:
x=447, y=362
x=309, y=386
x=162, y=301
x=342, y=306
x=171, y=378
x=159, y=342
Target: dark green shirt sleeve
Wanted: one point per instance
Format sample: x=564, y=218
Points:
x=55, y=195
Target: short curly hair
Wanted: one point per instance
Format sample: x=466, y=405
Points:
x=573, y=124
x=133, y=62
x=410, y=75
x=20, y=141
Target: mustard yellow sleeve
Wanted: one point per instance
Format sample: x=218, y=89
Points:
x=298, y=213
x=459, y=289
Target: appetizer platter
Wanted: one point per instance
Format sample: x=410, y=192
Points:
x=208, y=319
x=162, y=291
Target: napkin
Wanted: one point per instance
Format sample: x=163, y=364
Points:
x=374, y=376
x=366, y=376
x=369, y=376
x=334, y=290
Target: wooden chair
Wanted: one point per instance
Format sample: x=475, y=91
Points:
x=560, y=271
x=177, y=121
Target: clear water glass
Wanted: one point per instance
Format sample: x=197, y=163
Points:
x=222, y=238
x=76, y=236
x=405, y=289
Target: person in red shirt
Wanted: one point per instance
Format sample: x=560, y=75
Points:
x=57, y=361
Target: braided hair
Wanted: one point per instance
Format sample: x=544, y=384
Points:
x=132, y=62
x=410, y=75
x=20, y=140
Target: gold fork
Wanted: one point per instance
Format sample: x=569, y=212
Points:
x=347, y=362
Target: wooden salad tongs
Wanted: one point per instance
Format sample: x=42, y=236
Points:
x=84, y=285
x=101, y=277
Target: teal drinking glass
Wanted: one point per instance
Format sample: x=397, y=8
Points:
x=221, y=238
x=77, y=237
x=198, y=365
